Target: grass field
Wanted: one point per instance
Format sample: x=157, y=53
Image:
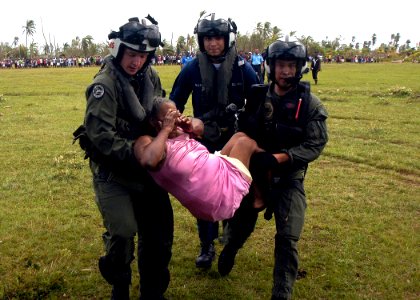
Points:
x=361, y=237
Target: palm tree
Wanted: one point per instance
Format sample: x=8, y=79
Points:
x=180, y=44
x=267, y=31
x=15, y=41
x=259, y=29
x=33, y=48
x=47, y=49
x=336, y=43
x=392, y=39
x=374, y=39
x=87, y=44
x=306, y=41
x=75, y=43
x=353, y=39
x=276, y=34
x=29, y=30
x=190, y=42
x=396, y=40
x=66, y=46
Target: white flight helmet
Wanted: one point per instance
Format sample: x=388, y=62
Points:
x=136, y=35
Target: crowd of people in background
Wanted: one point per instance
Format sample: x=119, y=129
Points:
x=52, y=62
x=82, y=61
x=158, y=60
x=354, y=59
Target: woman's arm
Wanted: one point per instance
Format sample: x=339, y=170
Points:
x=150, y=152
x=143, y=151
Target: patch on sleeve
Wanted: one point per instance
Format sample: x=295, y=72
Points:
x=98, y=91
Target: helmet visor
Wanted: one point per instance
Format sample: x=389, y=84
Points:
x=213, y=27
x=137, y=36
x=290, y=50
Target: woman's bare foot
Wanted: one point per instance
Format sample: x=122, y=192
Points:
x=258, y=199
x=258, y=203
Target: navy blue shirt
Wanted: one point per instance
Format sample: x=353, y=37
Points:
x=189, y=81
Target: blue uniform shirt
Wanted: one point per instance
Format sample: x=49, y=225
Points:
x=189, y=81
x=257, y=59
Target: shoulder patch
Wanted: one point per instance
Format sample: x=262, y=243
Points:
x=268, y=110
x=98, y=91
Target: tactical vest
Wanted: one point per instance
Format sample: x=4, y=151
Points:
x=285, y=119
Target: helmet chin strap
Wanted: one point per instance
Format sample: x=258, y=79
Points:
x=216, y=59
x=293, y=80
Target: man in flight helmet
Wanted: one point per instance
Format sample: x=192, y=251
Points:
x=219, y=81
x=287, y=51
x=136, y=35
x=289, y=122
x=208, y=27
x=118, y=102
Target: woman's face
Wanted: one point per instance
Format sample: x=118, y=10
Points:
x=165, y=108
x=168, y=116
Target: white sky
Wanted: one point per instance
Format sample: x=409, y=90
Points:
x=62, y=21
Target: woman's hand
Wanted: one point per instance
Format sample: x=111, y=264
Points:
x=185, y=123
x=170, y=120
x=281, y=157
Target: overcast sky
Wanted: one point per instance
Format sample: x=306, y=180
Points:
x=62, y=21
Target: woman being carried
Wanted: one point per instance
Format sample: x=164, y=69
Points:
x=210, y=186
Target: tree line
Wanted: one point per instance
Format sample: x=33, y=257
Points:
x=262, y=36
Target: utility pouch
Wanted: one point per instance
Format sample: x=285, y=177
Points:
x=84, y=142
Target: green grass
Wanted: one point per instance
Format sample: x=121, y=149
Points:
x=361, y=237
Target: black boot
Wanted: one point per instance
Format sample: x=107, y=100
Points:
x=206, y=256
x=120, y=292
x=106, y=269
x=226, y=260
x=118, y=276
x=279, y=298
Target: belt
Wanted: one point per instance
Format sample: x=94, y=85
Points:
x=296, y=175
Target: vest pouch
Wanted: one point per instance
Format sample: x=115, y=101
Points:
x=80, y=134
x=86, y=145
